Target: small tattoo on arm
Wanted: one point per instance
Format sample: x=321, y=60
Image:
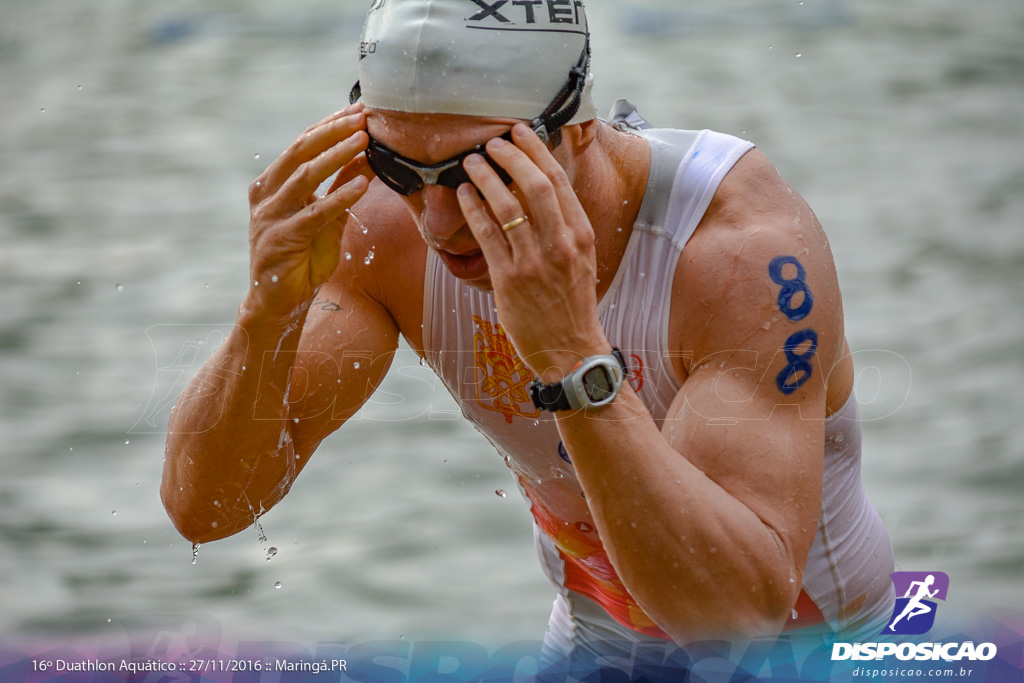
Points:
x=327, y=305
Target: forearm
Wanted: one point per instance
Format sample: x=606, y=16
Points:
x=229, y=453
x=698, y=560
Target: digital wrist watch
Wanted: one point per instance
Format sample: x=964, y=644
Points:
x=595, y=381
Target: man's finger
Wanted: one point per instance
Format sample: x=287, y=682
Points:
x=309, y=146
x=350, y=109
x=503, y=204
x=329, y=208
x=487, y=233
x=358, y=166
x=544, y=202
x=531, y=145
x=310, y=175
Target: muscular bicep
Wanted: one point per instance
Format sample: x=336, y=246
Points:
x=347, y=347
x=760, y=292
x=352, y=328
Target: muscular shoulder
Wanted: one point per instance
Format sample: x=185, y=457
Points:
x=383, y=259
x=757, y=269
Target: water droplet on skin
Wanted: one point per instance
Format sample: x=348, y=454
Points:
x=277, y=584
x=348, y=256
x=119, y=287
x=793, y=615
x=500, y=493
x=273, y=278
x=213, y=525
x=355, y=365
x=255, y=283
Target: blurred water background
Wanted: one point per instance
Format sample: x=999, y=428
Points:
x=129, y=132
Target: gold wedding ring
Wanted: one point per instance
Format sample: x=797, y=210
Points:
x=511, y=224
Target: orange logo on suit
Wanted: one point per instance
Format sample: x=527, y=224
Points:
x=502, y=382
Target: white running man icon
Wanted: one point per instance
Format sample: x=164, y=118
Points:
x=915, y=606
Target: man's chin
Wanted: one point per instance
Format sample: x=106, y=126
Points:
x=470, y=268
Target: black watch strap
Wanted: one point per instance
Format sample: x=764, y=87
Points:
x=552, y=397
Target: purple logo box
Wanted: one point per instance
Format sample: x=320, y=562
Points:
x=901, y=582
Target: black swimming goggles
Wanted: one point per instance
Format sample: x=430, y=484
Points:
x=406, y=176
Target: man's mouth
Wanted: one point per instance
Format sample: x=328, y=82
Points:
x=470, y=265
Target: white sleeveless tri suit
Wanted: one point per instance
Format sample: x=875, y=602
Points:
x=846, y=582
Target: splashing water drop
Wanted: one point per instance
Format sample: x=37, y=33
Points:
x=277, y=584
x=195, y=553
x=500, y=493
x=271, y=552
x=113, y=513
x=119, y=287
x=799, y=55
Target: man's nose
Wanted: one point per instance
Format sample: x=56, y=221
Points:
x=440, y=214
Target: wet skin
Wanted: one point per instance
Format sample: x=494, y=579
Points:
x=745, y=498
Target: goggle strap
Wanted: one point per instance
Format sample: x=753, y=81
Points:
x=567, y=102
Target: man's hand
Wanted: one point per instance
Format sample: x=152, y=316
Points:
x=543, y=270
x=294, y=236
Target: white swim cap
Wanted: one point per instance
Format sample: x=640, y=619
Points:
x=476, y=57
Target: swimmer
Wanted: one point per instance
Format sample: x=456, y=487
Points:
x=645, y=322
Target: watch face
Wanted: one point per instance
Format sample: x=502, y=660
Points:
x=598, y=385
